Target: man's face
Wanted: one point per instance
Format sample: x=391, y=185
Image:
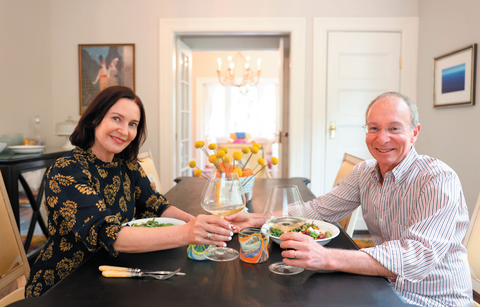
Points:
x=390, y=149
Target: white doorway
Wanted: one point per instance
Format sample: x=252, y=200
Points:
x=170, y=29
x=323, y=29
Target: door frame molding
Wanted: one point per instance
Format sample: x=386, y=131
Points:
x=168, y=31
x=407, y=26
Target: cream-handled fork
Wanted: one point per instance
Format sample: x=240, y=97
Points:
x=138, y=274
x=134, y=270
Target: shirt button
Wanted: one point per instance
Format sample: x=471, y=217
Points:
x=381, y=220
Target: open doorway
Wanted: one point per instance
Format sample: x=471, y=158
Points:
x=234, y=116
x=171, y=29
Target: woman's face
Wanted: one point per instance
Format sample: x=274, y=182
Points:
x=117, y=129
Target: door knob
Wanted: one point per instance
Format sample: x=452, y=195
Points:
x=332, y=129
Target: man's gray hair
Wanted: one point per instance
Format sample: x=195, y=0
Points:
x=411, y=106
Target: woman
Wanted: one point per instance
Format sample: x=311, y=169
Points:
x=112, y=73
x=102, y=75
x=99, y=185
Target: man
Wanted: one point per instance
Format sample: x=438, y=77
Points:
x=413, y=206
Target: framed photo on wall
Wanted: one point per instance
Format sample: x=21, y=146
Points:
x=454, y=78
x=101, y=66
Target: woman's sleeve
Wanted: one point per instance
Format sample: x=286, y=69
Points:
x=77, y=208
x=149, y=203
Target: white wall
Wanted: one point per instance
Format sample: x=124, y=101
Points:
x=449, y=134
x=56, y=27
x=25, y=66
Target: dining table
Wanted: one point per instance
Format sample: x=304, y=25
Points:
x=211, y=283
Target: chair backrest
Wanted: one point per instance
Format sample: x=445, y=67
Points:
x=472, y=243
x=14, y=267
x=146, y=161
x=348, y=163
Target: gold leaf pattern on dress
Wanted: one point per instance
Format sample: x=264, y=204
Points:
x=92, y=239
x=54, y=187
x=101, y=205
x=138, y=192
x=65, y=266
x=103, y=173
x=133, y=166
x=47, y=252
x=63, y=180
x=123, y=204
x=85, y=189
x=63, y=162
x=52, y=200
x=153, y=202
x=35, y=288
x=126, y=187
x=142, y=172
x=112, y=231
x=111, y=191
x=68, y=212
x=81, y=159
x=88, y=174
x=65, y=245
x=49, y=277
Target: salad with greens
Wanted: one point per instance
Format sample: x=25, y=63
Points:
x=151, y=223
x=309, y=229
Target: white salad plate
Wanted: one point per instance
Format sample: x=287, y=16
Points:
x=160, y=220
x=324, y=227
x=23, y=149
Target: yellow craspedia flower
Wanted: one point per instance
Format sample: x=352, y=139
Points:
x=254, y=149
x=212, y=158
x=245, y=150
x=237, y=156
x=274, y=161
x=227, y=159
x=238, y=171
x=199, y=144
x=212, y=146
x=257, y=145
x=261, y=161
x=192, y=163
x=220, y=154
x=225, y=149
x=197, y=173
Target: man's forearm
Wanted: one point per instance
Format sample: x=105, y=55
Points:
x=356, y=262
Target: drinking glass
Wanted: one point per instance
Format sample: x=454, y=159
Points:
x=222, y=196
x=285, y=211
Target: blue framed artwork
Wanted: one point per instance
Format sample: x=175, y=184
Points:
x=454, y=78
x=101, y=66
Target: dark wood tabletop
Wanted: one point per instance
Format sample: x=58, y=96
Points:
x=208, y=283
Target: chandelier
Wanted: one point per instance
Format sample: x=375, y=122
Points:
x=228, y=77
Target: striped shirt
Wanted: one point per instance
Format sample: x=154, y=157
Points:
x=417, y=218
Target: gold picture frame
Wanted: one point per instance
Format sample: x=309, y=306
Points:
x=454, y=76
x=104, y=65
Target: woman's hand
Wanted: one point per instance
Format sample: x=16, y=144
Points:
x=241, y=220
x=208, y=230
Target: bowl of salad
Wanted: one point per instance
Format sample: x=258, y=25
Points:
x=322, y=232
x=154, y=222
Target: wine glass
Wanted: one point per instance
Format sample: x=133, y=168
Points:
x=222, y=196
x=285, y=211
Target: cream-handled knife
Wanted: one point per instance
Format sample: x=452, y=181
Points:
x=133, y=270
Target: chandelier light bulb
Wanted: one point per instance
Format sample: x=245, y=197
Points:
x=229, y=58
x=231, y=65
x=246, y=65
x=259, y=61
x=219, y=61
x=247, y=58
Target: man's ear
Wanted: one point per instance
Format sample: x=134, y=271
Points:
x=416, y=131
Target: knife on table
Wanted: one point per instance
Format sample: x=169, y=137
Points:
x=134, y=270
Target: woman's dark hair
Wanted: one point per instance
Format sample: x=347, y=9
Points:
x=84, y=134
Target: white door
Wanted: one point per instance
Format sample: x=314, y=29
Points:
x=361, y=66
x=280, y=143
x=183, y=133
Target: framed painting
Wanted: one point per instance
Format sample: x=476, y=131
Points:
x=454, y=78
x=101, y=66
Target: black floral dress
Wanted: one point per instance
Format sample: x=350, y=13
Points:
x=87, y=201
